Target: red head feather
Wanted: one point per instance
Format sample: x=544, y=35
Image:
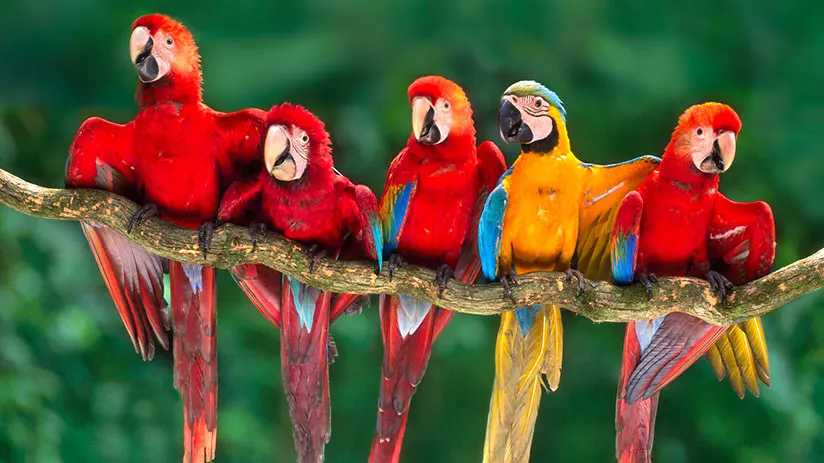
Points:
x=716, y=115
x=434, y=87
x=320, y=154
x=183, y=84
x=677, y=161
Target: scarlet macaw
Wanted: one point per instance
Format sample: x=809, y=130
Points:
x=174, y=159
x=434, y=191
x=303, y=197
x=547, y=208
x=677, y=223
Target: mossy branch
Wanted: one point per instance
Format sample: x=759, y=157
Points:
x=601, y=302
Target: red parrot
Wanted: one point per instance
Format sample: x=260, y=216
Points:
x=434, y=194
x=175, y=159
x=302, y=196
x=677, y=223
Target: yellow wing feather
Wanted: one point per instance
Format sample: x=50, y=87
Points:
x=605, y=188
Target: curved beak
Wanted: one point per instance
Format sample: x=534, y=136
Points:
x=511, y=124
x=424, y=127
x=146, y=62
x=281, y=162
x=276, y=152
x=721, y=155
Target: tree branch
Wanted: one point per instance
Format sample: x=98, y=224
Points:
x=601, y=302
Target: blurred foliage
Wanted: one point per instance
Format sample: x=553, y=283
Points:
x=72, y=389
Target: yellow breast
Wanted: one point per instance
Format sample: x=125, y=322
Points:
x=541, y=221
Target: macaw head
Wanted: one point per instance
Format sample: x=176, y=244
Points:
x=163, y=52
x=296, y=143
x=440, y=109
x=531, y=114
x=705, y=137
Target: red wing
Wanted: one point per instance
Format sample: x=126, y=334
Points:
x=241, y=134
x=358, y=208
x=676, y=345
x=101, y=157
x=240, y=202
x=491, y=166
x=742, y=248
x=262, y=286
x=742, y=239
x=135, y=281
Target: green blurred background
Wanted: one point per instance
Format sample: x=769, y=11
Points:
x=71, y=387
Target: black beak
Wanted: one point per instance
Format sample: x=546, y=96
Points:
x=146, y=64
x=430, y=134
x=511, y=124
x=715, y=155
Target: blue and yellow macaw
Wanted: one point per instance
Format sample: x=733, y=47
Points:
x=548, y=210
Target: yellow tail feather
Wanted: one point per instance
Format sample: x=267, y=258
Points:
x=714, y=356
x=730, y=364
x=520, y=363
x=755, y=335
x=555, y=351
x=744, y=358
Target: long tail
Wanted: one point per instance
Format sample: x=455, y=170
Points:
x=635, y=424
x=529, y=346
x=408, y=328
x=195, y=353
x=305, y=365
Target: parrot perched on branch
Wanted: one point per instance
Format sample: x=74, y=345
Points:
x=302, y=196
x=547, y=211
x=433, y=196
x=175, y=159
x=677, y=223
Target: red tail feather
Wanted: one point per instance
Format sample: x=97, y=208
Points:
x=635, y=424
x=305, y=364
x=195, y=355
x=404, y=364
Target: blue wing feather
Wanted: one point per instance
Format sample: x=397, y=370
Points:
x=623, y=259
x=624, y=239
x=490, y=228
x=393, y=214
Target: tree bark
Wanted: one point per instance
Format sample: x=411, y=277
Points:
x=601, y=301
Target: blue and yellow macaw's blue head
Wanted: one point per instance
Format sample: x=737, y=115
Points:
x=534, y=116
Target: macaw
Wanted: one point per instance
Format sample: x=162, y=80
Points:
x=546, y=212
x=300, y=195
x=175, y=159
x=431, y=201
x=677, y=223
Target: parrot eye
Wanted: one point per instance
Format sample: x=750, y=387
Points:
x=539, y=102
x=446, y=105
x=700, y=132
x=169, y=41
x=304, y=138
